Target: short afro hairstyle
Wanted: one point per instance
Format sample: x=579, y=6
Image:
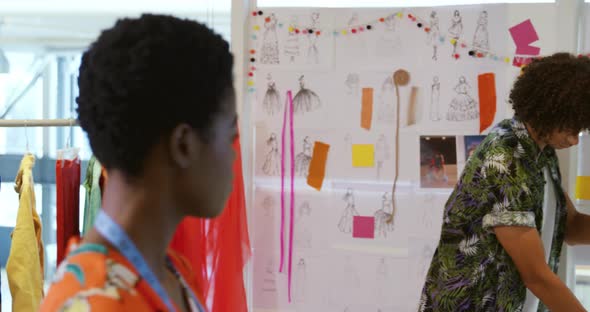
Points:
x=553, y=93
x=145, y=76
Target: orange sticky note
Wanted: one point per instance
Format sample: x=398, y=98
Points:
x=367, y=108
x=317, y=166
x=486, y=84
x=363, y=155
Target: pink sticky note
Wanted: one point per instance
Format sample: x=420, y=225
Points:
x=520, y=61
x=363, y=227
x=523, y=35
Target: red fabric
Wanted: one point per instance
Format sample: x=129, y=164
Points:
x=222, y=244
x=67, y=183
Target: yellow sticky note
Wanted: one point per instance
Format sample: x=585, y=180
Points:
x=363, y=155
x=583, y=188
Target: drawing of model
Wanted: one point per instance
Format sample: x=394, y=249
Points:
x=435, y=100
x=269, y=282
x=381, y=154
x=456, y=29
x=300, y=281
x=272, y=162
x=382, y=291
x=305, y=100
x=389, y=43
x=463, y=106
x=313, y=54
x=268, y=206
x=433, y=36
x=386, y=111
x=292, y=42
x=303, y=159
x=345, y=223
x=272, y=99
x=270, y=42
x=303, y=226
x=481, y=37
x=352, y=84
x=383, y=215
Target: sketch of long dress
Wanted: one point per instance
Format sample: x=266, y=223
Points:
x=303, y=159
x=345, y=223
x=303, y=226
x=382, y=216
x=305, y=100
x=463, y=106
x=269, y=282
x=270, y=42
x=313, y=53
x=382, y=291
x=381, y=154
x=433, y=37
x=292, y=43
x=386, y=111
x=435, y=99
x=390, y=42
x=300, y=281
x=456, y=29
x=352, y=83
x=272, y=162
x=272, y=99
x=481, y=37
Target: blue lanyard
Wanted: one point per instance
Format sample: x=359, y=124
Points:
x=112, y=232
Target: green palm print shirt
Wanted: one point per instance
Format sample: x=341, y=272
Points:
x=502, y=185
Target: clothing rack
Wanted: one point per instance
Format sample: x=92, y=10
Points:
x=25, y=123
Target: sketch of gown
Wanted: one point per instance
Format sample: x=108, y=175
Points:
x=463, y=106
x=481, y=36
x=435, y=99
x=272, y=99
x=305, y=100
x=433, y=37
x=313, y=54
x=303, y=226
x=386, y=111
x=381, y=154
x=389, y=42
x=272, y=162
x=270, y=42
x=382, y=216
x=352, y=84
x=456, y=29
x=300, y=281
x=345, y=223
x=292, y=42
x=303, y=159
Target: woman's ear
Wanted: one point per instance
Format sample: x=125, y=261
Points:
x=184, y=146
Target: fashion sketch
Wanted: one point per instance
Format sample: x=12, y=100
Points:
x=427, y=212
x=389, y=42
x=303, y=226
x=381, y=154
x=356, y=46
x=305, y=100
x=303, y=159
x=352, y=84
x=386, y=111
x=433, y=36
x=313, y=54
x=351, y=274
x=481, y=37
x=272, y=163
x=346, y=219
x=270, y=41
x=300, y=278
x=292, y=48
x=383, y=280
x=435, y=99
x=272, y=99
x=268, y=206
x=382, y=226
x=463, y=106
x=456, y=29
x=269, y=282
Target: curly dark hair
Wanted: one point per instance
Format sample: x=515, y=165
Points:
x=553, y=93
x=145, y=76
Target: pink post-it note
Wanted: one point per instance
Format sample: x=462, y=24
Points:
x=363, y=227
x=523, y=35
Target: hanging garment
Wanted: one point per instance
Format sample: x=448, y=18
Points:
x=67, y=180
x=223, y=242
x=93, y=198
x=25, y=262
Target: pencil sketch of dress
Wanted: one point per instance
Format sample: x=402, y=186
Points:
x=390, y=42
x=433, y=37
x=292, y=41
x=356, y=46
x=272, y=162
x=303, y=226
x=435, y=99
x=313, y=53
x=300, y=279
x=386, y=111
x=350, y=273
x=463, y=106
x=305, y=100
x=383, y=280
x=383, y=215
x=352, y=83
x=346, y=219
x=381, y=154
x=272, y=99
x=456, y=29
x=268, y=206
x=303, y=159
x=481, y=37
x=270, y=41
x=269, y=283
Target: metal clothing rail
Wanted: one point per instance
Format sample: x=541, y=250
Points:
x=25, y=123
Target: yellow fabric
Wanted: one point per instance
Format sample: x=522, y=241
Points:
x=25, y=262
x=583, y=188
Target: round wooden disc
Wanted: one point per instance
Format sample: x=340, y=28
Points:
x=401, y=77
